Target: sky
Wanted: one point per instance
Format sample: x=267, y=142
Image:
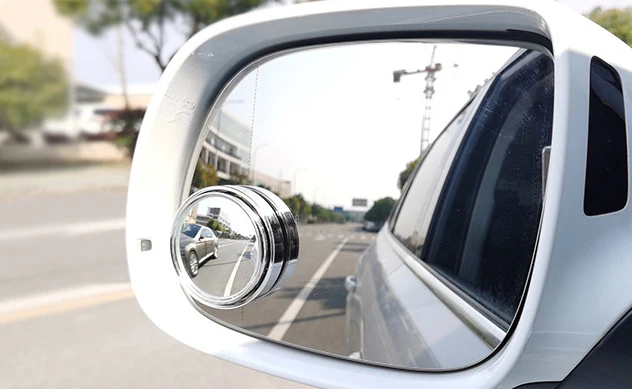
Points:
x=332, y=117
x=335, y=113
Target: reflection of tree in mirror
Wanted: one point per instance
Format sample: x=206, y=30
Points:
x=204, y=176
x=324, y=215
x=239, y=179
x=298, y=206
x=405, y=174
x=380, y=210
x=215, y=226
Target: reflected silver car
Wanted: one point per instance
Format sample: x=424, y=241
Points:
x=449, y=269
x=198, y=244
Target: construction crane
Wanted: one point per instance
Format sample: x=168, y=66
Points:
x=429, y=91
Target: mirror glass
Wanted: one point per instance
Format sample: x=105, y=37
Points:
x=218, y=246
x=414, y=171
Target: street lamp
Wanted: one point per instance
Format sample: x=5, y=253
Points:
x=295, y=174
x=254, y=161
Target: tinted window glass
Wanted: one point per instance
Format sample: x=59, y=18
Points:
x=191, y=230
x=415, y=212
x=606, y=188
x=206, y=233
x=485, y=229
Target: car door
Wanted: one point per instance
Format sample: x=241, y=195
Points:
x=210, y=241
x=206, y=242
x=458, y=248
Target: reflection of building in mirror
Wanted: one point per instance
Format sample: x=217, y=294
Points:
x=283, y=188
x=203, y=215
x=227, y=146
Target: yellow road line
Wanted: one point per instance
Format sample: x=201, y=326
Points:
x=65, y=306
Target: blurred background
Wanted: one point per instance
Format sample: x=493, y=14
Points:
x=75, y=79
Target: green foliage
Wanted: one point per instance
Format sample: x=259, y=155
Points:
x=380, y=210
x=405, y=174
x=204, y=175
x=145, y=20
x=299, y=206
x=322, y=214
x=617, y=21
x=32, y=87
x=239, y=179
x=215, y=226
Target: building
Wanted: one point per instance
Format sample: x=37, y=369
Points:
x=191, y=217
x=212, y=213
x=227, y=147
x=283, y=188
x=138, y=96
x=220, y=216
x=37, y=24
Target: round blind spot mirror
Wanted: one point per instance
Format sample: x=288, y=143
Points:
x=233, y=244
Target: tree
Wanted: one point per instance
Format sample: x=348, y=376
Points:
x=405, y=174
x=298, y=206
x=204, y=175
x=617, y=21
x=215, y=226
x=147, y=20
x=239, y=179
x=32, y=87
x=380, y=210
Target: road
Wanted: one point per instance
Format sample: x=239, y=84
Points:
x=230, y=271
x=68, y=317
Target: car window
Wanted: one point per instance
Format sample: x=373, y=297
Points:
x=421, y=193
x=191, y=230
x=484, y=228
x=206, y=233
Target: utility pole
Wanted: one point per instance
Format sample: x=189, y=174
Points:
x=429, y=91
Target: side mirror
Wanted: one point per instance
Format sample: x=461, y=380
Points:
x=469, y=275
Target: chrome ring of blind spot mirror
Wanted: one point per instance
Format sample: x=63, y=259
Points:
x=233, y=244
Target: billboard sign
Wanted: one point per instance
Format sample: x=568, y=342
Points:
x=360, y=202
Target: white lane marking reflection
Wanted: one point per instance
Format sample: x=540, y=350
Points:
x=284, y=323
x=231, y=279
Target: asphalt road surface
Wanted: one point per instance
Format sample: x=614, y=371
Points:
x=68, y=317
x=230, y=272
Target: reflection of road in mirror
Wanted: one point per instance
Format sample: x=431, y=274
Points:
x=230, y=271
x=318, y=319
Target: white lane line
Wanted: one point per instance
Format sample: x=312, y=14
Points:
x=340, y=236
x=330, y=235
x=352, y=236
x=60, y=296
x=63, y=229
x=319, y=237
x=284, y=323
x=229, y=284
x=362, y=237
